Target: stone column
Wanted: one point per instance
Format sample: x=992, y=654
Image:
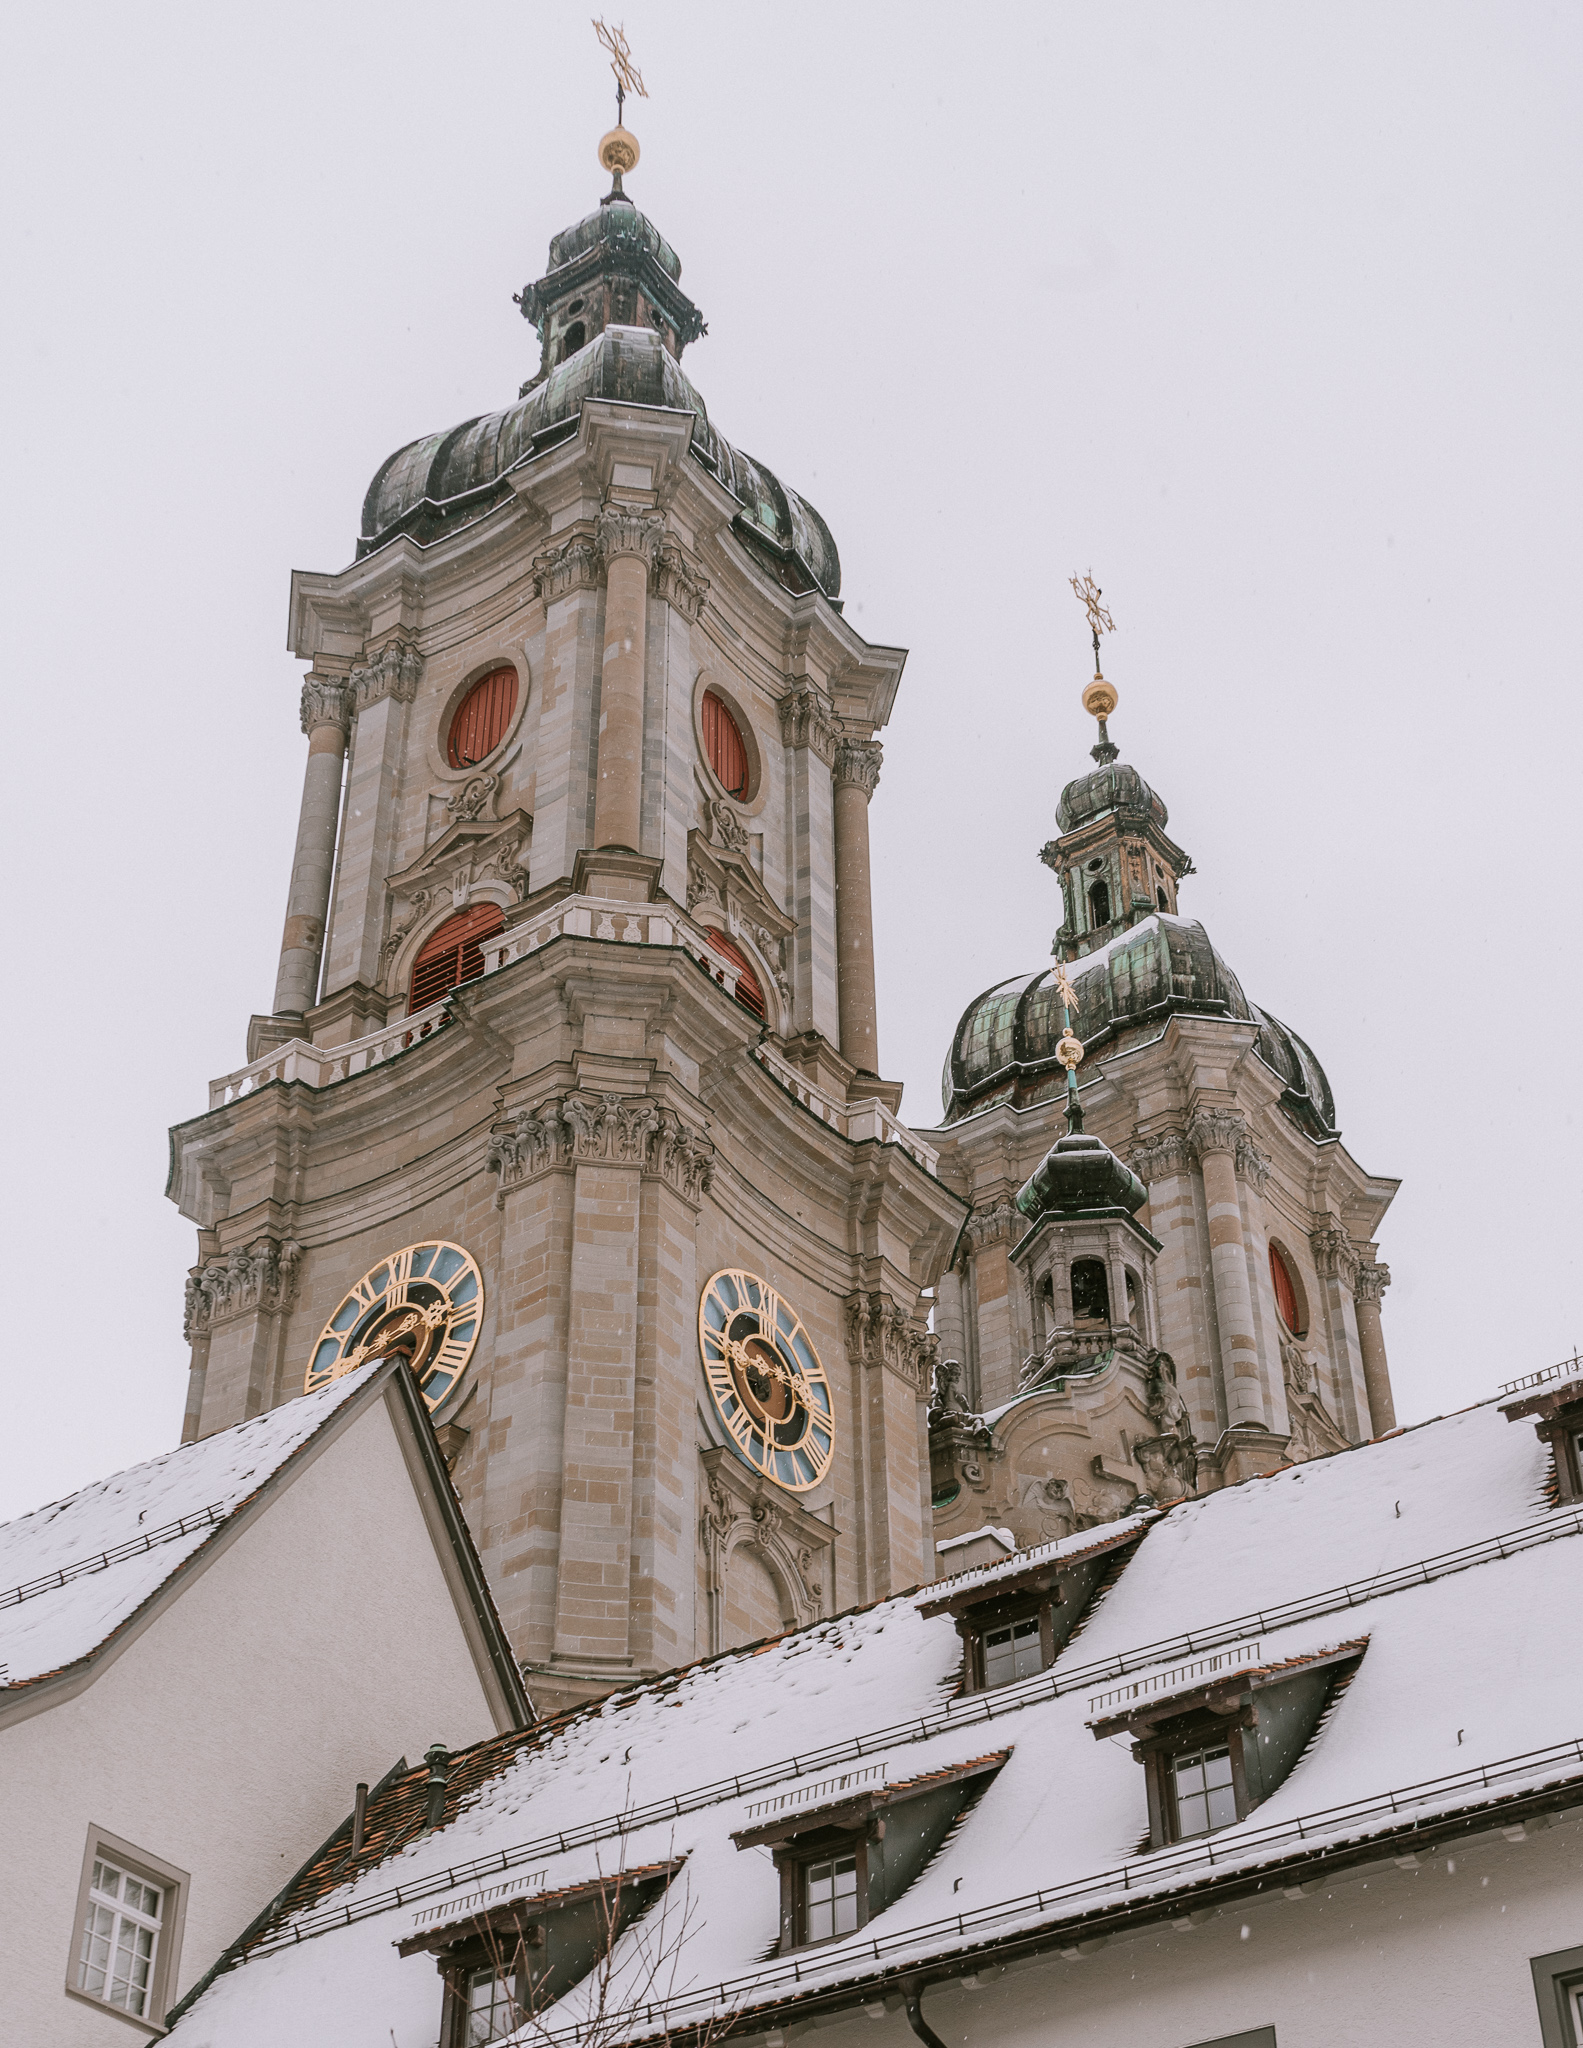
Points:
x=628, y=539
x=1213, y=1135
x=856, y=775
x=381, y=690
x=1164, y=1162
x=1371, y=1283
x=809, y=737
x=326, y=719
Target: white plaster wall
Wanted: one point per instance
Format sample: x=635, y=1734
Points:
x=227, y=1739
x=1440, y=1956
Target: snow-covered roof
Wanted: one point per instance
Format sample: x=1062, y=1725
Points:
x=75, y=1572
x=1439, y=1545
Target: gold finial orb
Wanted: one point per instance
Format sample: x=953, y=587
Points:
x=1069, y=1051
x=1100, y=698
x=618, y=151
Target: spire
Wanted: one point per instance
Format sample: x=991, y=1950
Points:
x=1100, y=698
x=1069, y=1051
x=618, y=150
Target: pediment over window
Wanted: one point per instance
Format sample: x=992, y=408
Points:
x=475, y=846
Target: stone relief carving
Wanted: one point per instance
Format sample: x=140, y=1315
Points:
x=1251, y=1164
x=395, y=671
x=1165, y=1153
x=632, y=1130
x=807, y=720
x=723, y=827
x=678, y=582
x=630, y=530
x=880, y=1333
x=574, y=565
x=1168, y=1459
x=417, y=908
x=475, y=799
x=1001, y=1221
x=326, y=702
x=1335, y=1255
x=859, y=761
x=1312, y=1432
x=262, y=1275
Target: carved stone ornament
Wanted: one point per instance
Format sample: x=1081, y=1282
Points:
x=395, y=671
x=808, y=721
x=263, y=1275
x=1215, y=1130
x=1371, y=1282
x=859, y=761
x=475, y=798
x=678, y=582
x=631, y=1130
x=630, y=530
x=879, y=1333
x=416, y=908
x=1252, y=1166
x=574, y=565
x=1160, y=1156
x=723, y=827
x=326, y=702
x=997, y=1224
x=1335, y=1255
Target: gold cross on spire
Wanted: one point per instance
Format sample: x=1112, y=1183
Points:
x=1100, y=698
x=628, y=77
x=1099, y=619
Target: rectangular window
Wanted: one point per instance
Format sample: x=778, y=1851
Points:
x=1013, y=1652
x=831, y=1897
x=1558, y=1986
x=1205, y=1797
x=492, y=2011
x=120, y=1937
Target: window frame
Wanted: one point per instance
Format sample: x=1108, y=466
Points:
x=448, y=749
x=1558, y=1988
x=103, y=1847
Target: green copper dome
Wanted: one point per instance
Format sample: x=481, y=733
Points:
x=1115, y=787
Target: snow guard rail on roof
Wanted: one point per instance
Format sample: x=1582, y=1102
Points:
x=205, y=1518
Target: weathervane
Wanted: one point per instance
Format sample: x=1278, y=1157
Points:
x=1100, y=698
x=618, y=151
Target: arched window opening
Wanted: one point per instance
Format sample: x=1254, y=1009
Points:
x=1099, y=903
x=1160, y=895
x=749, y=994
x=1132, y=1297
x=1090, y=1291
x=453, y=954
x=483, y=718
x=725, y=746
x=573, y=339
x=1285, y=1291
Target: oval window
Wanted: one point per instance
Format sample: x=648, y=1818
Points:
x=453, y=954
x=483, y=718
x=725, y=746
x=749, y=994
x=1285, y=1290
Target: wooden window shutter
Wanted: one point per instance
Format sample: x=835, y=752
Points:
x=1285, y=1292
x=483, y=718
x=453, y=954
x=728, y=754
x=749, y=993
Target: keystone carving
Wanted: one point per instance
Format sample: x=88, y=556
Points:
x=1215, y=1130
x=858, y=761
x=1371, y=1282
x=631, y=1130
x=395, y=671
x=806, y=721
x=1334, y=1254
x=880, y=1333
x=326, y=702
x=262, y=1275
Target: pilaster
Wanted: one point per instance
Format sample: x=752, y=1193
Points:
x=891, y=1360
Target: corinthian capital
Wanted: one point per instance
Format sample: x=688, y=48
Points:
x=1335, y=1255
x=1215, y=1130
x=858, y=761
x=1371, y=1282
x=395, y=671
x=326, y=702
x=805, y=722
x=630, y=530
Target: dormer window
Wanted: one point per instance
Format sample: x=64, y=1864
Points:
x=1556, y=1411
x=846, y=1848
x=1013, y=1622
x=1216, y=1744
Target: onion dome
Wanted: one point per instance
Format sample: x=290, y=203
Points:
x=1004, y=1048
x=1080, y=1176
x=1114, y=787
x=613, y=322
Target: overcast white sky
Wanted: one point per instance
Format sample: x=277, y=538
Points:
x=1269, y=314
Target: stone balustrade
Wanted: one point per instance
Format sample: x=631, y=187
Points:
x=861, y=1120
x=319, y=1066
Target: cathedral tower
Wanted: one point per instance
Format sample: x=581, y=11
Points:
x=570, y=1092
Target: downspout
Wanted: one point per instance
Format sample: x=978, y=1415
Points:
x=913, y=1994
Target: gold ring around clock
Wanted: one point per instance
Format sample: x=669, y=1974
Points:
x=424, y=1304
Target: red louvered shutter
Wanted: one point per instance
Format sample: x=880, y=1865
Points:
x=482, y=718
x=749, y=994
x=1285, y=1292
x=454, y=954
x=728, y=754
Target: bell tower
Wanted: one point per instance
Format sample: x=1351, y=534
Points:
x=570, y=1091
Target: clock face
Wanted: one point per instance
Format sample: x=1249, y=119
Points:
x=766, y=1380
x=424, y=1305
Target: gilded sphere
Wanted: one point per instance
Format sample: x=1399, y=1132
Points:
x=1069, y=1051
x=1100, y=698
x=618, y=151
